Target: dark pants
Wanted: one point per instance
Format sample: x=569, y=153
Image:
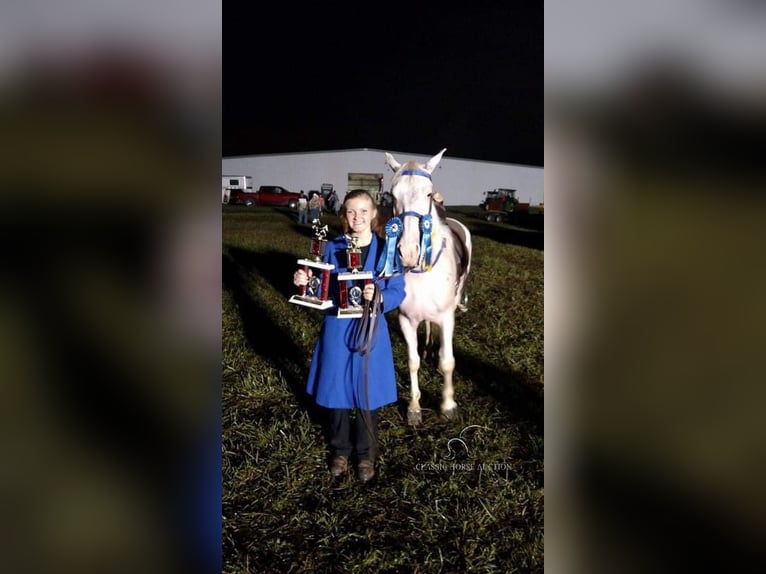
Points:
x=347, y=434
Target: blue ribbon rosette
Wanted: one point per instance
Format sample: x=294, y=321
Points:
x=389, y=263
x=425, y=239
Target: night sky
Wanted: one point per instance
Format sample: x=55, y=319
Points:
x=413, y=80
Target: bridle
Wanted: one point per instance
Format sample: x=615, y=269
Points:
x=395, y=227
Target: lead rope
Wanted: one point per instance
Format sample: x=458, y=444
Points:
x=362, y=340
x=366, y=325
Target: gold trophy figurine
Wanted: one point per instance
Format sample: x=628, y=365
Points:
x=315, y=293
x=352, y=282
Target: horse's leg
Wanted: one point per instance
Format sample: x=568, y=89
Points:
x=447, y=365
x=410, y=331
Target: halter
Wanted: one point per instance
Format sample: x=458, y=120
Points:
x=419, y=172
x=388, y=262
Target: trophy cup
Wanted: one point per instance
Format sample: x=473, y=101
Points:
x=314, y=293
x=351, y=294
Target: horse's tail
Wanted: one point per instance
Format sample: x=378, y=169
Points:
x=428, y=348
x=463, y=250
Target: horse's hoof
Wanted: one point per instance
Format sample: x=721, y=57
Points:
x=450, y=413
x=414, y=417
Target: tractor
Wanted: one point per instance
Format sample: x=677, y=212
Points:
x=498, y=204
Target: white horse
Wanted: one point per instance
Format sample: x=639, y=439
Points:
x=436, y=254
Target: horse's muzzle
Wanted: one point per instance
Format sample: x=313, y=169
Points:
x=410, y=253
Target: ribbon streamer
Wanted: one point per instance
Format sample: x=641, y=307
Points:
x=425, y=239
x=389, y=263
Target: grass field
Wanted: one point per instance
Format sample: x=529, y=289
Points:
x=429, y=509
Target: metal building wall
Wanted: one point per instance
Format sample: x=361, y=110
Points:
x=460, y=181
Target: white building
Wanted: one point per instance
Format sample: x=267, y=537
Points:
x=460, y=181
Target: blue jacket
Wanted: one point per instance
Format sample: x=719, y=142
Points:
x=337, y=375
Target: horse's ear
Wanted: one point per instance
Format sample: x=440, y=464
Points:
x=392, y=163
x=434, y=161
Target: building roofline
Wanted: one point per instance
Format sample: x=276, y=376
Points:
x=382, y=151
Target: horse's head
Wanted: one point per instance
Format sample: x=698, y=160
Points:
x=413, y=190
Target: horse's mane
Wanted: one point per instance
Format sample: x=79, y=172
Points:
x=462, y=255
x=441, y=211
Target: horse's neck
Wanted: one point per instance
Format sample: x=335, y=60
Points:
x=441, y=234
x=441, y=247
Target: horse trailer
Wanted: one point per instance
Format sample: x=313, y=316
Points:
x=230, y=183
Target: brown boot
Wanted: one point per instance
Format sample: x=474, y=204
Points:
x=366, y=470
x=339, y=465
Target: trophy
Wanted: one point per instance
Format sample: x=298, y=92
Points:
x=314, y=293
x=352, y=282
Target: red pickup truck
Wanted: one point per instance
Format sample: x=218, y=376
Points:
x=265, y=195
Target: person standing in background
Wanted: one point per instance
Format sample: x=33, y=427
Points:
x=334, y=202
x=302, y=207
x=314, y=207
